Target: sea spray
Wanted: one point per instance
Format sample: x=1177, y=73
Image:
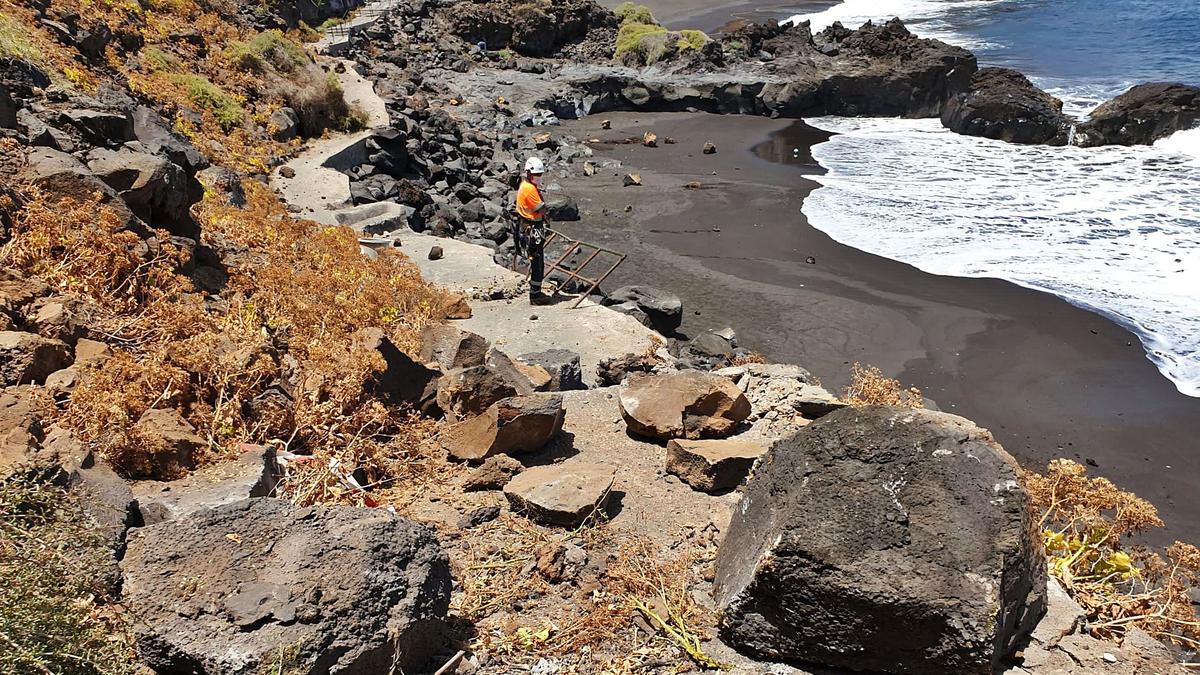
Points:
x=1114, y=229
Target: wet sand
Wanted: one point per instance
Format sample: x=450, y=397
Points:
x=1050, y=380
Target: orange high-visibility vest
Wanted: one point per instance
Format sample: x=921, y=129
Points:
x=529, y=201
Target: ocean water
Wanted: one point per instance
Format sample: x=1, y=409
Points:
x=1115, y=230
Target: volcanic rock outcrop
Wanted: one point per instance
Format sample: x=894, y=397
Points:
x=1003, y=104
x=1142, y=115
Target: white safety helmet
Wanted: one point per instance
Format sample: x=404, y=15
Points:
x=534, y=165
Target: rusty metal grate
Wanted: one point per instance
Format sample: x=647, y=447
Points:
x=573, y=245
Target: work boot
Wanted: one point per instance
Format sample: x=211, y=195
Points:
x=539, y=299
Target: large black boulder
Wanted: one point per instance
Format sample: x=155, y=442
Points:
x=1142, y=115
x=883, y=539
x=1003, y=104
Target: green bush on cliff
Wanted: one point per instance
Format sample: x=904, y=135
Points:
x=628, y=12
x=202, y=93
x=639, y=39
x=269, y=47
x=15, y=43
x=691, y=39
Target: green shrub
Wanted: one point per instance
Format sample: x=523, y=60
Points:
x=354, y=120
x=225, y=107
x=49, y=554
x=14, y=41
x=269, y=47
x=632, y=38
x=734, y=46
x=628, y=12
x=691, y=39
x=320, y=103
x=155, y=59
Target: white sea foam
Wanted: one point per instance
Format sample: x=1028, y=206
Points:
x=1114, y=229
x=924, y=17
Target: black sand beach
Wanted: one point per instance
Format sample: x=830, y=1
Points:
x=1049, y=379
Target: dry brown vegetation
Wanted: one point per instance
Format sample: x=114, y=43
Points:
x=290, y=311
x=869, y=386
x=49, y=554
x=632, y=611
x=1087, y=523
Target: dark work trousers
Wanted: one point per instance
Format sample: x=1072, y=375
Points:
x=531, y=240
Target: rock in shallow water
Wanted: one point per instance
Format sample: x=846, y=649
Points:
x=883, y=539
x=1142, y=115
x=1003, y=104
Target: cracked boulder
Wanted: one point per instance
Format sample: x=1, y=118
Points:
x=27, y=358
x=883, y=539
x=511, y=426
x=344, y=590
x=464, y=392
x=684, y=404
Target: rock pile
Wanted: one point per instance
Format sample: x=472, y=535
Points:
x=510, y=426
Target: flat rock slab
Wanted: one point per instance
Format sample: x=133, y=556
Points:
x=561, y=494
x=712, y=465
x=253, y=474
x=223, y=590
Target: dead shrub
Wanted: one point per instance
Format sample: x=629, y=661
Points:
x=291, y=311
x=637, y=586
x=869, y=386
x=320, y=103
x=53, y=616
x=747, y=359
x=1086, y=525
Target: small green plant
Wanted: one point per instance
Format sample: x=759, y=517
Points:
x=635, y=38
x=225, y=107
x=270, y=47
x=628, y=12
x=354, y=120
x=285, y=661
x=155, y=59
x=506, y=54
x=330, y=23
x=691, y=39
x=734, y=46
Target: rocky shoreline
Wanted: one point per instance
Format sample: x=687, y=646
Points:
x=596, y=492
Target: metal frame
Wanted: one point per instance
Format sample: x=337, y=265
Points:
x=577, y=273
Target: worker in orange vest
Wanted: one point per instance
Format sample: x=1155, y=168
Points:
x=531, y=230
